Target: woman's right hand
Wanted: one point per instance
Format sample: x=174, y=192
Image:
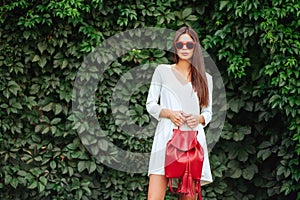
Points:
x=176, y=117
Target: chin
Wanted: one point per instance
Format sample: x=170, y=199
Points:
x=185, y=57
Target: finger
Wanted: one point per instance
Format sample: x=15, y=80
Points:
x=189, y=118
x=181, y=116
x=181, y=119
x=192, y=120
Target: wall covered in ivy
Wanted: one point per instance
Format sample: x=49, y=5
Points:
x=255, y=45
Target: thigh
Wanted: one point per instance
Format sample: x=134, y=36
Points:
x=157, y=187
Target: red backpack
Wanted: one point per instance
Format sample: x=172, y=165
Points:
x=184, y=161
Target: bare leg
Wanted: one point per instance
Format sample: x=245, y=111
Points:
x=157, y=187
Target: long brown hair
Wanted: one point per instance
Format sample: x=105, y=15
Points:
x=197, y=72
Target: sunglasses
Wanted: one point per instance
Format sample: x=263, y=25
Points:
x=189, y=45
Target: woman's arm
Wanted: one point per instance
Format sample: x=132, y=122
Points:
x=206, y=112
x=152, y=105
x=156, y=110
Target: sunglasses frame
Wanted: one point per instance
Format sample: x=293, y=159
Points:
x=185, y=43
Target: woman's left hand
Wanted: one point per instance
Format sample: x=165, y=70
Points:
x=192, y=120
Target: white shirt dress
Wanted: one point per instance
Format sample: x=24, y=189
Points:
x=169, y=90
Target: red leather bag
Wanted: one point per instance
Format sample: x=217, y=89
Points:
x=184, y=161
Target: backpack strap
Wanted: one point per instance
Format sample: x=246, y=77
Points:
x=170, y=185
x=198, y=189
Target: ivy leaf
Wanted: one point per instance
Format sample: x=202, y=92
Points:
x=53, y=164
x=14, y=182
x=36, y=58
x=26, y=34
x=43, y=180
x=42, y=46
x=42, y=61
x=235, y=173
x=186, y=12
x=48, y=107
x=223, y=4
x=41, y=186
x=103, y=145
x=264, y=154
x=33, y=185
x=81, y=166
x=57, y=109
x=92, y=167
x=249, y=172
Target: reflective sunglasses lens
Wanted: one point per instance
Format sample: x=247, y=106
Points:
x=189, y=45
x=179, y=45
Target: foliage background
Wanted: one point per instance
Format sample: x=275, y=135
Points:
x=255, y=44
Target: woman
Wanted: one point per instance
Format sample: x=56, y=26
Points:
x=179, y=95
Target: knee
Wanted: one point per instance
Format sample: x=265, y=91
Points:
x=155, y=196
x=189, y=198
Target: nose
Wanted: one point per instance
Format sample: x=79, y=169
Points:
x=184, y=46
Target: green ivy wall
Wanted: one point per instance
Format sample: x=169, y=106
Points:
x=255, y=45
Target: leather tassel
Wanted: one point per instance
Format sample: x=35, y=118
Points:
x=187, y=185
x=184, y=184
x=190, y=191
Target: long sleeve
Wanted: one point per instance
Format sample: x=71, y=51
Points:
x=152, y=105
x=206, y=112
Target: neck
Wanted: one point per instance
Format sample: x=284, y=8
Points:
x=183, y=65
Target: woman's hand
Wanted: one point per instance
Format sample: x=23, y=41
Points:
x=192, y=120
x=176, y=117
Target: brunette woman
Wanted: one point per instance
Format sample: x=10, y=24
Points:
x=180, y=95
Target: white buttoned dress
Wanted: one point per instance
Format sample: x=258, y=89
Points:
x=169, y=90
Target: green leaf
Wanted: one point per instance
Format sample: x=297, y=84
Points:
x=39, y=127
x=41, y=187
x=103, y=144
x=48, y=107
x=92, y=167
x=55, y=121
x=14, y=182
x=33, y=185
x=26, y=34
x=82, y=165
x=42, y=61
x=235, y=173
x=13, y=87
x=36, y=171
x=265, y=144
x=46, y=130
x=186, y=12
x=57, y=109
x=53, y=164
x=264, y=154
x=34, y=89
x=192, y=18
x=42, y=46
x=64, y=64
x=249, y=172
x=71, y=171
x=223, y=4
x=36, y=58
x=22, y=173
x=43, y=180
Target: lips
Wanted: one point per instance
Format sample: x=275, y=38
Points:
x=185, y=54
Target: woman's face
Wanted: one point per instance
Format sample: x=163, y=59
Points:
x=185, y=47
